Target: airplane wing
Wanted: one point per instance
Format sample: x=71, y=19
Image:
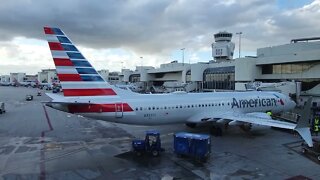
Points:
x=254, y=118
x=59, y=99
x=259, y=118
x=55, y=97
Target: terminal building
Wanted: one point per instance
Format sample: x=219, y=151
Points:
x=17, y=77
x=297, y=61
x=47, y=76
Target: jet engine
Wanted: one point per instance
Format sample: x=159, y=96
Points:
x=246, y=127
x=191, y=125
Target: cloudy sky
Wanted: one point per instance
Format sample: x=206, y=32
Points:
x=115, y=33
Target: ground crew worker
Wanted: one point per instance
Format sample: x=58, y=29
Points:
x=316, y=125
x=269, y=113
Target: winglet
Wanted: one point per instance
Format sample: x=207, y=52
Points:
x=303, y=127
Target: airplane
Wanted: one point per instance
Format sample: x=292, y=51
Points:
x=87, y=94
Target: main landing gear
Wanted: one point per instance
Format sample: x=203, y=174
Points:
x=191, y=125
x=216, y=130
x=246, y=127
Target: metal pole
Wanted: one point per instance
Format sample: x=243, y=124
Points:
x=141, y=58
x=182, y=55
x=239, y=33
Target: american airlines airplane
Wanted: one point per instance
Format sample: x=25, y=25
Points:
x=86, y=93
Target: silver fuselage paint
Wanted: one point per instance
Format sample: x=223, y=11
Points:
x=157, y=109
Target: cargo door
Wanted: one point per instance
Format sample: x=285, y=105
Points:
x=118, y=110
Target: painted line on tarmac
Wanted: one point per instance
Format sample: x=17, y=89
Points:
x=42, y=151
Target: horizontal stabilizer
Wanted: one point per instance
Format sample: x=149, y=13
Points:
x=303, y=127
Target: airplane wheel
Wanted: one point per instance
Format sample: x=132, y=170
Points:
x=304, y=150
x=216, y=131
x=155, y=153
x=191, y=125
x=219, y=131
x=213, y=130
x=318, y=158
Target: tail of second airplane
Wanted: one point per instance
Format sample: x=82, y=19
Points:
x=76, y=74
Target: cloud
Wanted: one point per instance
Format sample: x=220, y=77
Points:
x=24, y=55
x=150, y=29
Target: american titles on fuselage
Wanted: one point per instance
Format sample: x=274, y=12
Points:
x=245, y=103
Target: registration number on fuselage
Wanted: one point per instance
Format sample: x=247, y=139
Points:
x=149, y=115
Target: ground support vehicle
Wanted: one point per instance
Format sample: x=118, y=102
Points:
x=151, y=144
x=196, y=146
x=29, y=97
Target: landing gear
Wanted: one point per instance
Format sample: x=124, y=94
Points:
x=246, y=127
x=155, y=153
x=216, y=131
x=191, y=125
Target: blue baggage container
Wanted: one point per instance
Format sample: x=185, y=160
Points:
x=197, y=146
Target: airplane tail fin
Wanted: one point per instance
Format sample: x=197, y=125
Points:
x=303, y=127
x=76, y=74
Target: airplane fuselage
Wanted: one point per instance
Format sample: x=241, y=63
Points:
x=156, y=109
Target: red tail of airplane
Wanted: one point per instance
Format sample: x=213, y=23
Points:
x=76, y=75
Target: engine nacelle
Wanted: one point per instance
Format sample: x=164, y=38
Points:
x=246, y=127
x=191, y=125
x=235, y=123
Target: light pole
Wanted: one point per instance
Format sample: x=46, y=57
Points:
x=182, y=55
x=141, y=58
x=239, y=33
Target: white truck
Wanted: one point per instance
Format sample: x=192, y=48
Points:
x=2, y=109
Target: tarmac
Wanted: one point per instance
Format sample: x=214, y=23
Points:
x=37, y=142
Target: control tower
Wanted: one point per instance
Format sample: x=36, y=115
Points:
x=222, y=48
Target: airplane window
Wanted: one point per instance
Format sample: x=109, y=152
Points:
x=222, y=104
x=177, y=107
x=140, y=108
x=180, y=106
x=209, y=105
x=199, y=105
x=188, y=106
x=165, y=107
x=157, y=108
x=228, y=104
x=202, y=105
x=206, y=105
x=219, y=104
x=212, y=104
x=149, y=108
x=191, y=105
x=136, y=109
x=153, y=108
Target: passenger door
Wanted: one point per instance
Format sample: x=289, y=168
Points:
x=118, y=110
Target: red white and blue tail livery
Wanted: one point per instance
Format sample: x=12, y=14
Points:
x=76, y=74
x=86, y=93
